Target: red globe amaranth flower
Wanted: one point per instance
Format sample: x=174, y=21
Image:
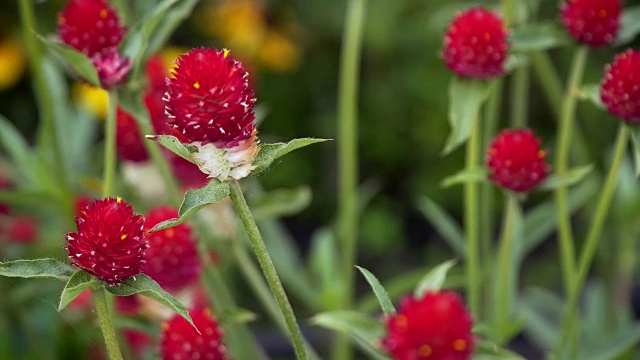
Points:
x=22, y=229
x=92, y=27
x=110, y=242
x=172, y=257
x=129, y=139
x=210, y=102
x=516, y=161
x=179, y=340
x=475, y=44
x=592, y=22
x=620, y=89
x=436, y=326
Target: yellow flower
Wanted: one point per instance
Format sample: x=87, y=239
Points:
x=12, y=62
x=279, y=53
x=91, y=98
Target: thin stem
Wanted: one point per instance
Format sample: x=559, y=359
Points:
x=269, y=271
x=520, y=97
x=471, y=216
x=504, y=305
x=549, y=80
x=508, y=11
x=108, y=332
x=347, y=222
x=593, y=235
x=109, y=174
x=566, y=125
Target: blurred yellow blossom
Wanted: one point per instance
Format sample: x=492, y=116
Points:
x=12, y=61
x=91, y=98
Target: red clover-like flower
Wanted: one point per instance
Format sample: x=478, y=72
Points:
x=620, y=87
x=92, y=27
x=592, y=22
x=110, y=242
x=172, y=257
x=210, y=103
x=129, y=144
x=475, y=44
x=179, y=340
x=516, y=161
x=436, y=326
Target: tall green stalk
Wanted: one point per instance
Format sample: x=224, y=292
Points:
x=108, y=332
x=471, y=216
x=109, y=172
x=504, y=274
x=347, y=222
x=593, y=238
x=269, y=271
x=565, y=129
x=520, y=97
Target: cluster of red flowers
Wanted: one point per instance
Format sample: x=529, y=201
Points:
x=93, y=27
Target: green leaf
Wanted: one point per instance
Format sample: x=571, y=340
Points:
x=466, y=97
x=486, y=350
x=323, y=264
x=270, y=152
x=364, y=330
x=614, y=346
x=381, y=293
x=434, y=278
x=281, y=202
x=18, y=150
x=538, y=37
x=136, y=42
x=175, y=146
x=466, y=176
x=79, y=62
x=236, y=315
x=146, y=286
x=629, y=25
x=591, y=93
x=80, y=281
x=444, y=224
x=569, y=178
x=635, y=145
x=195, y=200
x=170, y=21
x=37, y=268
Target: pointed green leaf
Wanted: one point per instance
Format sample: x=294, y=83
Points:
x=466, y=176
x=629, y=25
x=364, y=330
x=635, y=145
x=281, y=202
x=18, y=150
x=80, y=281
x=434, y=278
x=591, y=93
x=538, y=37
x=175, y=146
x=569, y=178
x=466, y=97
x=146, y=286
x=270, y=152
x=444, y=224
x=37, y=268
x=381, y=293
x=168, y=24
x=79, y=62
x=195, y=200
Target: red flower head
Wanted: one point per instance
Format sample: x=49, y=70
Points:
x=92, y=27
x=436, y=326
x=129, y=139
x=110, y=242
x=210, y=102
x=475, y=44
x=172, y=257
x=516, y=161
x=592, y=22
x=179, y=340
x=619, y=89
x=22, y=229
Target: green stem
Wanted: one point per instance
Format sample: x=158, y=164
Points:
x=471, y=216
x=520, y=97
x=109, y=174
x=593, y=236
x=508, y=11
x=504, y=283
x=110, y=339
x=566, y=126
x=47, y=132
x=170, y=182
x=269, y=271
x=549, y=80
x=347, y=222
